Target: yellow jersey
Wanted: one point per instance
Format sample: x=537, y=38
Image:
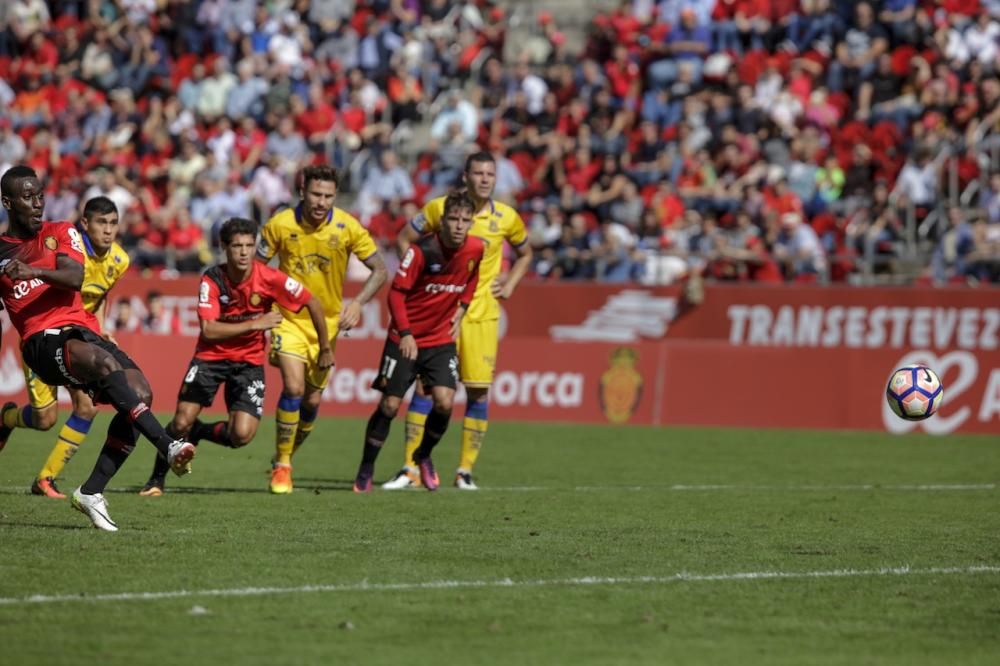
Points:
x=315, y=257
x=100, y=273
x=494, y=223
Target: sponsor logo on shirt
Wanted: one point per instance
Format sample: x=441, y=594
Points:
x=23, y=287
x=439, y=288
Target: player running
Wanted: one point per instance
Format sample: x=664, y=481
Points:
x=429, y=297
x=104, y=263
x=42, y=273
x=314, y=242
x=235, y=302
x=493, y=222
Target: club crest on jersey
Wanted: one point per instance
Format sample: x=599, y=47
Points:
x=111, y=272
x=255, y=299
x=51, y=242
x=334, y=242
x=472, y=264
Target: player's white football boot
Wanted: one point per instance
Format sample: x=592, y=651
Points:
x=463, y=481
x=94, y=507
x=405, y=478
x=179, y=455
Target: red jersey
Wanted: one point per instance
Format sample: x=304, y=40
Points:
x=219, y=299
x=431, y=282
x=35, y=305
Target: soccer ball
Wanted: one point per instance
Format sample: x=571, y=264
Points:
x=914, y=392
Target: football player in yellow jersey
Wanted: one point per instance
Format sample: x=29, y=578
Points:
x=104, y=263
x=478, y=340
x=314, y=242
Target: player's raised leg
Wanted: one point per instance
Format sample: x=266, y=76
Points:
x=71, y=436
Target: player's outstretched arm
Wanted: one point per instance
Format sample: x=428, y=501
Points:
x=351, y=314
x=68, y=273
x=318, y=317
x=220, y=330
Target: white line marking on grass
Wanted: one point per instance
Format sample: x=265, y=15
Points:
x=928, y=487
x=365, y=586
x=912, y=487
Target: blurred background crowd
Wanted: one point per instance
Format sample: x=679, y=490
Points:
x=641, y=141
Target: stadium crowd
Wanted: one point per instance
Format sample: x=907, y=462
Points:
x=736, y=139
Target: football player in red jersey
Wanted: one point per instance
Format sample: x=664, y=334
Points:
x=430, y=294
x=41, y=272
x=234, y=309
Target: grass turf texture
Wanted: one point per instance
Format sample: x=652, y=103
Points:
x=558, y=503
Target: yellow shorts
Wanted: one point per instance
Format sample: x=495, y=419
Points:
x=292, y=341
x=477, y=352
x=40, y=394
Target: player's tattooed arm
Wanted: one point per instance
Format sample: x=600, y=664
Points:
x=318, y=318
x=351, y=314
x=68, y=273
x=503, y=287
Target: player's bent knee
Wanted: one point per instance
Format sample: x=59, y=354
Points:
x=44, y=419
x=444, y=405
x=180, y=426
x=389, y=406
x=240, y=438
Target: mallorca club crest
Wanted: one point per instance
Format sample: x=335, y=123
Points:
x=51, y=243
x=255, y=299
x=621, y=386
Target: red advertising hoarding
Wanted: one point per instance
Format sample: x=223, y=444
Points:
x=795, y=357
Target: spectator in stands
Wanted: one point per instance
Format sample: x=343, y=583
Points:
x=857, y=56
x=798, y=249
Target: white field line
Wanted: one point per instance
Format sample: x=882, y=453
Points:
x=792, y=488
x=912, y=487
x=365, y=586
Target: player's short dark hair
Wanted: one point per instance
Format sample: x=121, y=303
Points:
x=99, y=206
x=14, y=175
x=236, y=226
x=323, y=172
x=480, y=157
x=459, y=199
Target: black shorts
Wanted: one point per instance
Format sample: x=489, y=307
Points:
x=244, y=385
x=436, y=366
x=45, y=354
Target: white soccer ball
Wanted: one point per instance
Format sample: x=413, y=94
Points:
x=914, y=393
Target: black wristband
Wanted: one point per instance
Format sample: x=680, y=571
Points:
x=405, y=332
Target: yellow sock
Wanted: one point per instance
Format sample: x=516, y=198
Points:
x=18, y=418
x=416, y=417
x=287, y=419
x=473, y=432
x=70, y=438
x=303, y=431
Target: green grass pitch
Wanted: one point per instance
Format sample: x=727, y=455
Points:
x=586, y=545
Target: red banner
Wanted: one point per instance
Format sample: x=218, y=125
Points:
x=790, y=357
